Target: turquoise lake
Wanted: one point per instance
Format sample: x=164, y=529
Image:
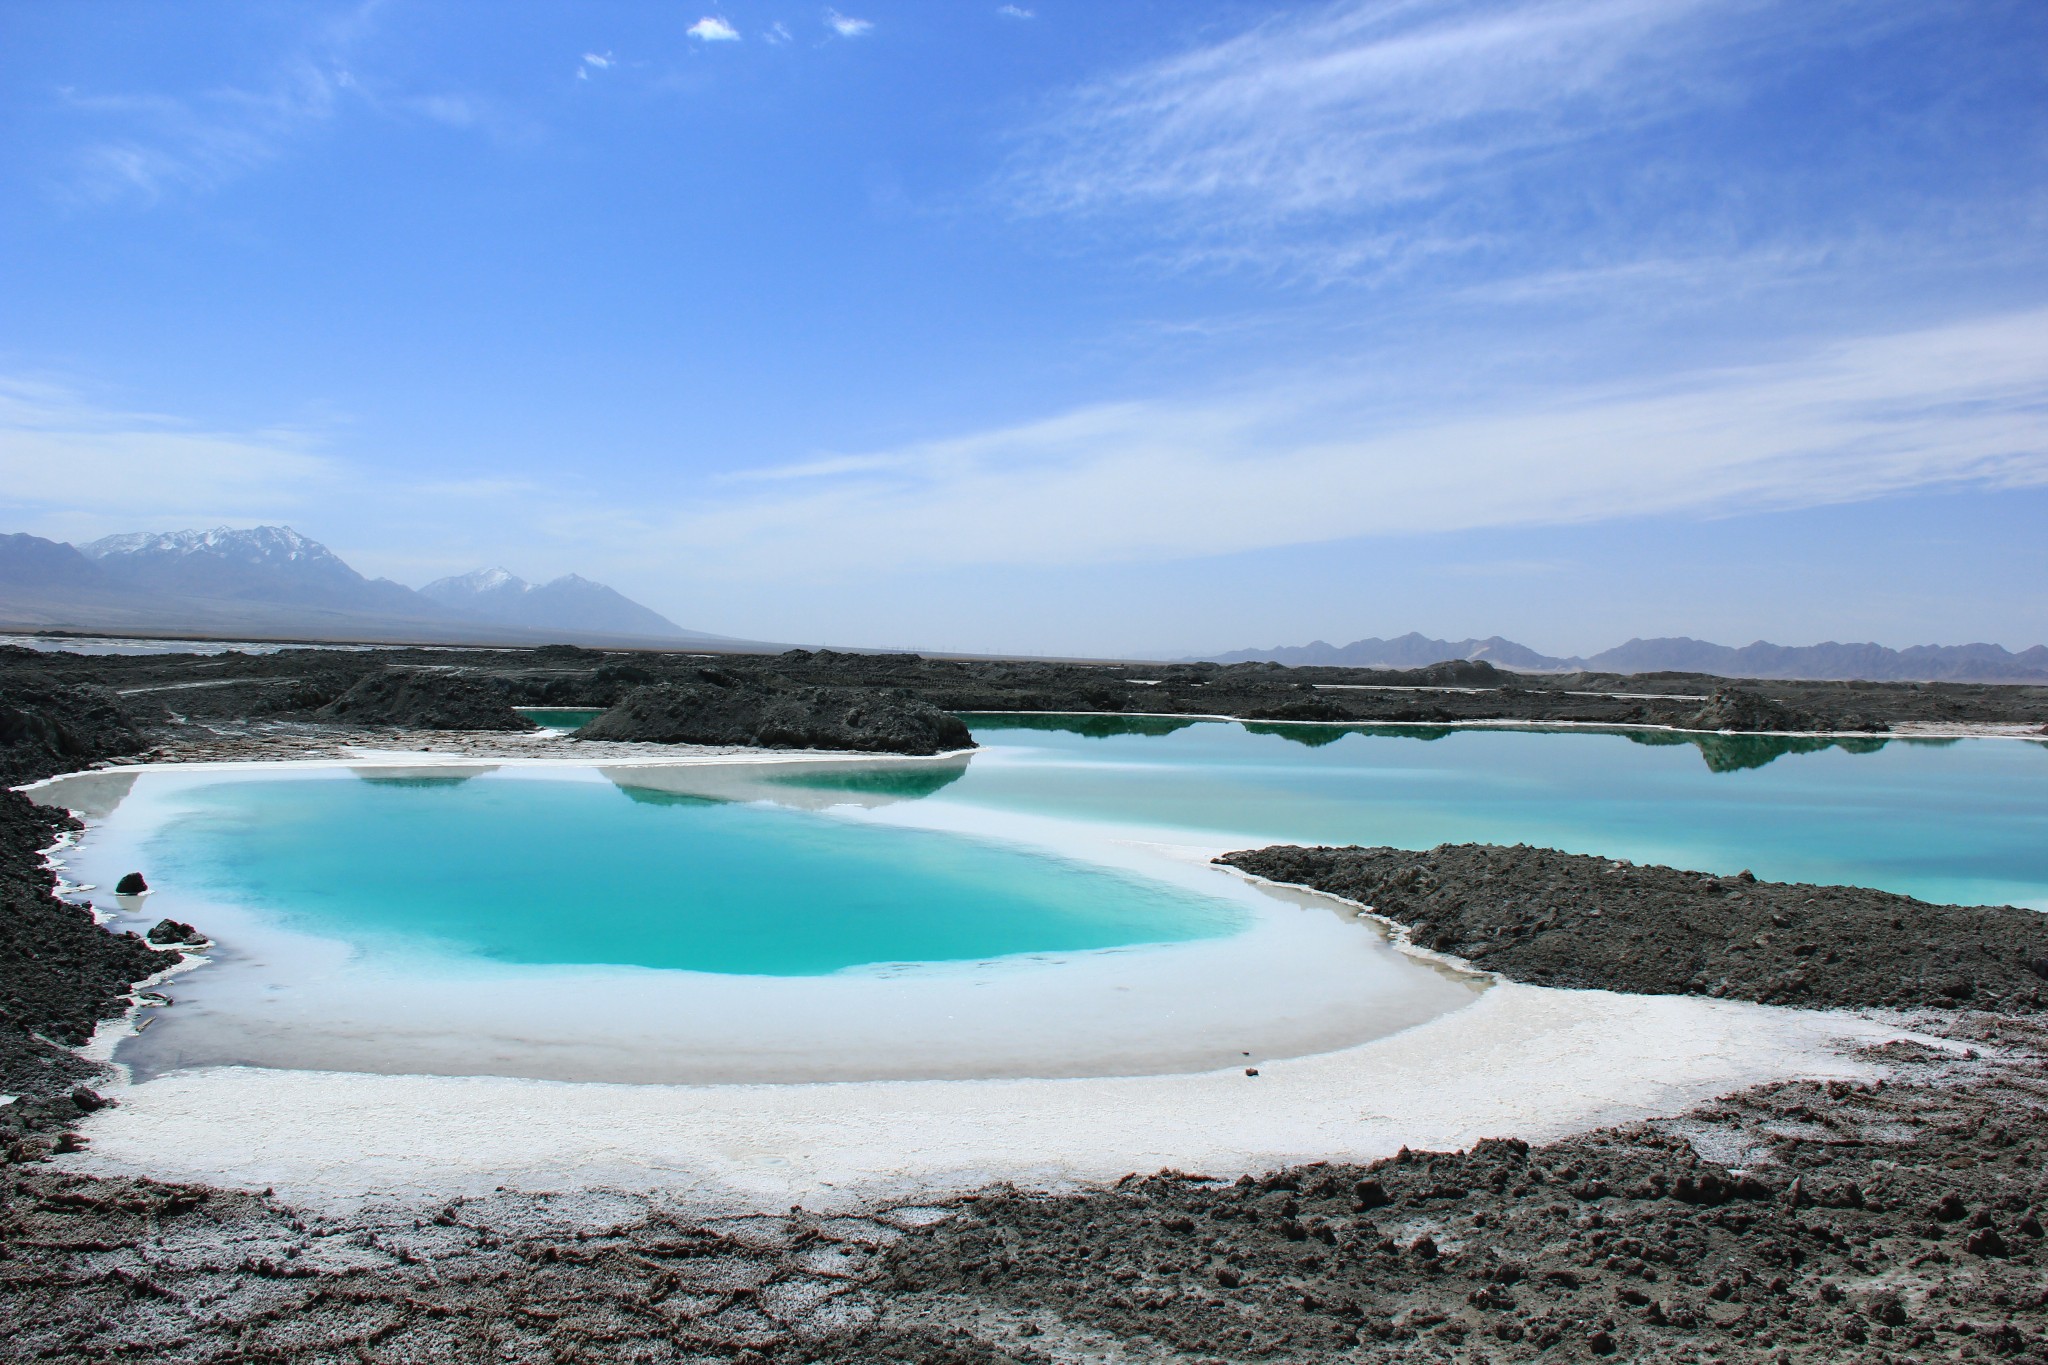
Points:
x=532, y=870
x=1954, y=820
x=827, y=868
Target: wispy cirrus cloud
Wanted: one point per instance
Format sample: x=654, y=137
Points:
x=143, y=147
x=1359, y=135
x=846, y=26
x=1848, y=421
x=71, y=464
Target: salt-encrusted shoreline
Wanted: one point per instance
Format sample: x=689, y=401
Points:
x=1523, y=1060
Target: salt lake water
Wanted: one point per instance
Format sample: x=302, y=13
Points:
x=1044, y=907
x=576, y=871
x=1963, y=821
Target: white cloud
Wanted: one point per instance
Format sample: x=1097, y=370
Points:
x=594, y=61
x=777, y=33
x=847, y=27
x=711, y=29
x=166, y=144
x=1854, y=420
x=1358, y=133
x=1015, y=12
x=69, y=464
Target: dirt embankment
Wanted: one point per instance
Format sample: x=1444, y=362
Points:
x=426, y=701
x=49, y=727
x=1562, y=919
x=60, y=973
x=1832, y=1223
x=718, y=708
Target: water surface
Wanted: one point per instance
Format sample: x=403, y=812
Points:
x=1954, y=820
x=560, y=870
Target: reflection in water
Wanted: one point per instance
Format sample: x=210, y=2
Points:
x=903, y=784
x=648, y=796
x=798, y=785
x=422, y=777
x=1723, y=753
x=1079, y=723
x=1314, y=736
x=93, y=795
x=1734, y=753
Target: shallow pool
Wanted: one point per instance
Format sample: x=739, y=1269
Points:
x=559, y=868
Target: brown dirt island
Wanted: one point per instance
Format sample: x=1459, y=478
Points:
x=1563, y=919
x=717, y=707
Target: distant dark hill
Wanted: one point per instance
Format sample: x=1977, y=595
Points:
x=272, y=582
x=31, y=561
x=1413, y=650
x=570, y=602
x=1869, y=662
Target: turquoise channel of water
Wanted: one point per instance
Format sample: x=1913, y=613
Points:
x=1961, y=821
x=556, y=870
x=528, y=870
x=560, y=717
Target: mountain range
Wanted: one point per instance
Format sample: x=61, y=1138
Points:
x=272, y=581
x=1680, y=654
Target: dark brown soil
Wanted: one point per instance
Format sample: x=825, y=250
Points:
x=48, y=727
x=1798, y=1222
x=60, y=973
x=1561, y=919
x=717, y=707
x=426, y=701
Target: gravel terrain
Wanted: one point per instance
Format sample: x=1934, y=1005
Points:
x=60, y=973
x=1562, y=919
x=716, y=707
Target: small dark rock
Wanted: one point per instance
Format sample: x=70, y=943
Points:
x=131, y=884
x=175, y=931
x=1986, y=1242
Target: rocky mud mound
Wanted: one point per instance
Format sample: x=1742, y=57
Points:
x=1562, y=919
x=48, y=727
x=1826, y=1228
x=717, y=707
x=426, y=701
x=60, y=973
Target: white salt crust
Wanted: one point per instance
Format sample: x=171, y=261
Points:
x=1522, y=1061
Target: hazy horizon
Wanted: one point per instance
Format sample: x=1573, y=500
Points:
x=1148, y=330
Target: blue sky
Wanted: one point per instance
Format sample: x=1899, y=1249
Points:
x=1112, y=328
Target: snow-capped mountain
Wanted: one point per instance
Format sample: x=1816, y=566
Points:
x=570, y=602
x=272, y=582
x=264, y=563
